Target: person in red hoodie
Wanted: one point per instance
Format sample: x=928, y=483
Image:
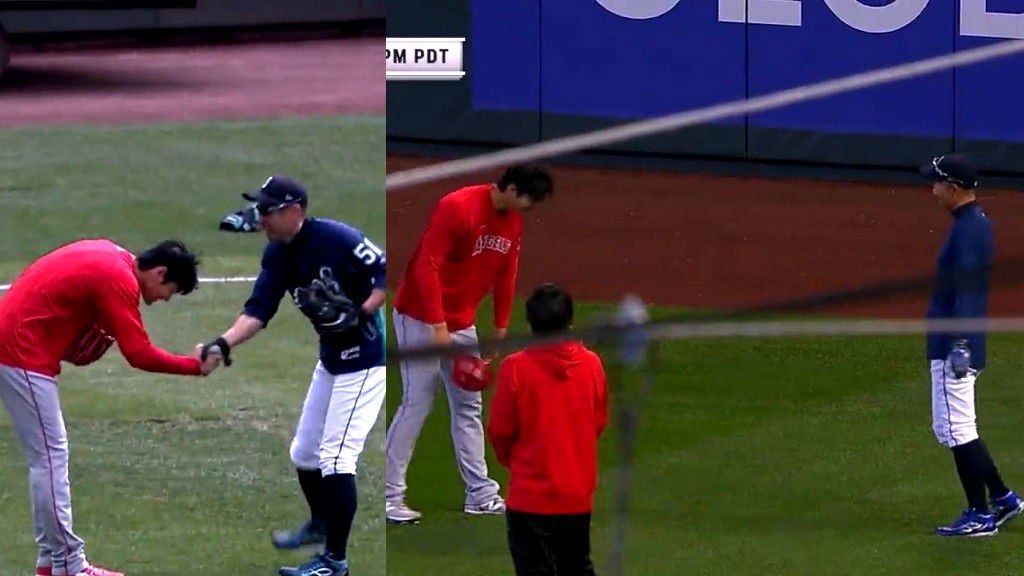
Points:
x=549, y=408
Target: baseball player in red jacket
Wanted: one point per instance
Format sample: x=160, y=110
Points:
x=71, y=305
x=470, y=248
x=548, y=411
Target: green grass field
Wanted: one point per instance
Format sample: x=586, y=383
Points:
x=787, y=456
x=172, y=475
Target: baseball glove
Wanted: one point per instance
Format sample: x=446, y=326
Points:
x=472, y=373
x=326, y=305
x=245, y=220
x=90, y=346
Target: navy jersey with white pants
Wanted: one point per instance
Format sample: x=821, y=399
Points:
x=957, y=358
x=348, y=384
x=961, y=291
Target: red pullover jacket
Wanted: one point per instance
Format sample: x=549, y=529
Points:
x=548, y=410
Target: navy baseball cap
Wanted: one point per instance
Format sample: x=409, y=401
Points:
x=277, y=192
x=954, y=168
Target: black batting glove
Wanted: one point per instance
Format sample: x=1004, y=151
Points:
x=218, y=346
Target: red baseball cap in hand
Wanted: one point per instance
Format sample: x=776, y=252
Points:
x=471, y=373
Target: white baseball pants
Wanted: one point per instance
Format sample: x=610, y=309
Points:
x=337, y=416
x=953, y=416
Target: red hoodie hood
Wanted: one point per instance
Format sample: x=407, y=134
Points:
x=558, y=359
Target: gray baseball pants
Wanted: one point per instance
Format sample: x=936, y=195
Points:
x=33, y=404
x=419, y=386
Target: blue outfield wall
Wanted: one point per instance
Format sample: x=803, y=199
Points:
x=544, y=69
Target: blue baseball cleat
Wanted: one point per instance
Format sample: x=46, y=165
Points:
x=971, y=524
x=309, y=534
x=319, y=565
x=1007, y=508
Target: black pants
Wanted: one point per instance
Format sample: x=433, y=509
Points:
x=549, y=545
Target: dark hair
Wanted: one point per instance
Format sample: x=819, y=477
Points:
x=182, y=265
x=549, y=309
x=529, y=179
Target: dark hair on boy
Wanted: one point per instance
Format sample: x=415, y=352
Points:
x=549, y=309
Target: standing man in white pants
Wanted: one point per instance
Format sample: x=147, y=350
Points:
x=961, y=291
x=470, y=247
x=337, y=278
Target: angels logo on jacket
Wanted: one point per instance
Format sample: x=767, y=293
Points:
x=491, y=242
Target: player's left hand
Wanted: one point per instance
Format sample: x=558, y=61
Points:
x=959, y=359
x=367, y=322
x=495, y=349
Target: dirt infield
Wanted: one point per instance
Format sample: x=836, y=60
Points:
x=266, y=80
x=726, y=242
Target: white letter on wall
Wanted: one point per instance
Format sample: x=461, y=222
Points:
x=638, y=9
x=877, y=19
x=976, y=20
x=776, y=12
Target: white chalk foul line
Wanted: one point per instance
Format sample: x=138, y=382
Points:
x=216, y=280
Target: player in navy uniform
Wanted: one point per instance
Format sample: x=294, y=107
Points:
x=336, y=277
x=957, y=360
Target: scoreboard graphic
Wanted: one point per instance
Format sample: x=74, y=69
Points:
x=425, y=59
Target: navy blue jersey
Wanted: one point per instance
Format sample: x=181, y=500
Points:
x=357, y=264
x=962, y=281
